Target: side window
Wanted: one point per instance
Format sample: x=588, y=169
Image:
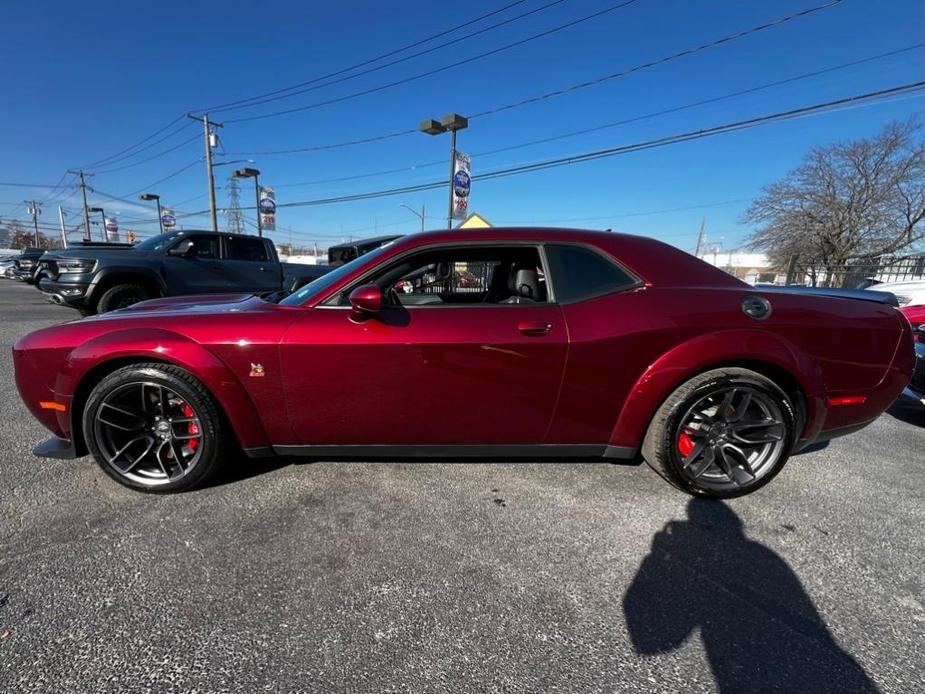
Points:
x=246, y=248
x=580, y=273
x=471, y=275
x=205, y=246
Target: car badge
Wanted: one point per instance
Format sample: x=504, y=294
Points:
x=257, y=370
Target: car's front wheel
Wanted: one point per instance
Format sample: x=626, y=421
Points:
x=722, y=434
x=121, y=296
x=155, y=428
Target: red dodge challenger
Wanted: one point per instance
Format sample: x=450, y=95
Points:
x=559, y=343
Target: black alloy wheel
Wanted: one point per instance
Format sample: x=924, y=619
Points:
x=153, y=427
x=724, y=433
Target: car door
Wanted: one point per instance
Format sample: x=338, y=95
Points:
x=201, y=272
x=249, y=265
x=445, y=373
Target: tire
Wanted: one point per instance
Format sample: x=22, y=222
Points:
x=709, y=443
x=121, y=296
x=143, y=402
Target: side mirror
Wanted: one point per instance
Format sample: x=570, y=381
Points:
x=365, y=301
x=184, y=249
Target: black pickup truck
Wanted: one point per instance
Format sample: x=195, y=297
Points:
x=96, y=280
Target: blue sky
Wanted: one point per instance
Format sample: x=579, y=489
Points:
x=86, y=80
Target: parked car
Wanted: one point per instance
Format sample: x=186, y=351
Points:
x=915, y=315
x=580, y=344
x=97, y=280
x=916, y=389
x=908, y=293
x=7, y=263
x=25, y=264
x=345, y=252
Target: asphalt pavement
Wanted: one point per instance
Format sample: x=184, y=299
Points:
x=430, y=577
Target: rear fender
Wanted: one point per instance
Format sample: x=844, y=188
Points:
x=169, y=347
x=713, y=350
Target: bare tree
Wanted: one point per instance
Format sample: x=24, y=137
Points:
x=858, y=199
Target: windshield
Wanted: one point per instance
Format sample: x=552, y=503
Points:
x=156, y=243
x=330, y=279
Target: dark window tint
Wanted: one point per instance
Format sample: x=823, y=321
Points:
x=244, y=248
x=206, y=246
x=579, y=273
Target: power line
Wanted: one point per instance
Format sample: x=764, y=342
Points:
x=116, y=160
x=838, y=104
x=176, y=173
x=398, y=61
x=180, y=118
x=151, y=158
x=581, y=85
x=405, y=80
x=612, y=124
x=369, y=61
x=659, y=61
x=141, y=142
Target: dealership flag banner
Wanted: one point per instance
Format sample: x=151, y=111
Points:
x=112, y=229
x=267, y=209
x=462, y=183
x=168, y=219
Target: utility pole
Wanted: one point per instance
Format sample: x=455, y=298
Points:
x=34, y=209
x=83, y=189
x=63, y=230
x=703, y=223
x=209, y=134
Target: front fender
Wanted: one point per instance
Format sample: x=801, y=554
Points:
x=713, y=350
x=127, y=273
x=165, y=346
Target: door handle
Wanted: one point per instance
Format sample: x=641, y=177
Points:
x=534, y=328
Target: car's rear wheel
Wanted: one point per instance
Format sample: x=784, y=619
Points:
x=155, y=428
x=121, y=296
x=722, y=434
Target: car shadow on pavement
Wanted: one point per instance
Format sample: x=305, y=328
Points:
x=759, y=628
x=908, y=411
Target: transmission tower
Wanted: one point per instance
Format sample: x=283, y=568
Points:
x=235, y=219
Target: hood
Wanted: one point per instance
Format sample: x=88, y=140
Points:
x=92, y=253
x=183, y=305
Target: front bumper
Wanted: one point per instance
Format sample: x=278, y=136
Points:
x=72, y=294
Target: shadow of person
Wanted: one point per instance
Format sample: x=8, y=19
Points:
x=760, y=630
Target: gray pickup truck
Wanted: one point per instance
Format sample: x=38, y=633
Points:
x=96, y=280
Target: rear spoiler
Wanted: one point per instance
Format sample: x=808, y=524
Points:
x=859, y=294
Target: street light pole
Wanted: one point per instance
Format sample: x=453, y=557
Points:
x=148, y=197
x=449, y=206
x=451, y=122
x=413, y=211
x=255, y=174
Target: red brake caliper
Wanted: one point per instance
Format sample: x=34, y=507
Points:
x=192, y=428
x=685, y=444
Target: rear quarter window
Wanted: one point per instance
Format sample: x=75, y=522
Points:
x=580, y=273
x=244, y=248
